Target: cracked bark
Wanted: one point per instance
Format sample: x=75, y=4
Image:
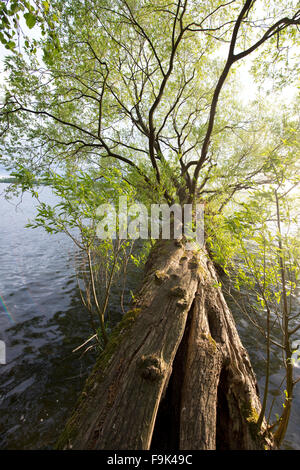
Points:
x=180, y=377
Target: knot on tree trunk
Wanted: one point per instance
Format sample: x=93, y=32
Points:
x=151, y=367
x=178, y=292
x=181, y=366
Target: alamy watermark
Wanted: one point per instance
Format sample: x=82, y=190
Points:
x=163, y=222
x=2, y=353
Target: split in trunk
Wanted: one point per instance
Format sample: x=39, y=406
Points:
x=174, y=374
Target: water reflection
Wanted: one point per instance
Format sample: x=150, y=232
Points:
x=42, y=380
x=42, y=321
x=254, y=343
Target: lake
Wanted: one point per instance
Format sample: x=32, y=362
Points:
x=42, y=320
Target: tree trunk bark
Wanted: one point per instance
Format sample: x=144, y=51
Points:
x=174, y=374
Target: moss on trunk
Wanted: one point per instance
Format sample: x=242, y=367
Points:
x=174, y=373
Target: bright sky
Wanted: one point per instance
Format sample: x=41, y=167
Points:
x=247, y=91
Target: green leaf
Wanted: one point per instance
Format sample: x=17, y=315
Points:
x=10, y=45
x=46, y=6
x=30, y=20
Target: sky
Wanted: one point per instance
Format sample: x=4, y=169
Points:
x=247, y=91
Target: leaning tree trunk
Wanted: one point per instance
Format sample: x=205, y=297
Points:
x=174, y=375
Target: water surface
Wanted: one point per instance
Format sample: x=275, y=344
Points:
x=42, y=321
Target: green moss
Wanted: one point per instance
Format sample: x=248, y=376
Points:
x=66, y=437
x=251, y=415
x=114, y=341
x=116, y=337
x=210, y=339
x=160, y=277
x=202, y=271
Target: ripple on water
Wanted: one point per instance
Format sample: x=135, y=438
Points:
x=42, y=321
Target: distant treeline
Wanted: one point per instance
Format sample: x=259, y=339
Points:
x=8, y=179
x=11, y=179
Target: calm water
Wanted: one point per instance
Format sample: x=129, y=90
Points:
x=42, y=321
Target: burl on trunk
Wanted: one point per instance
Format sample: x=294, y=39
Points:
x=174, y=374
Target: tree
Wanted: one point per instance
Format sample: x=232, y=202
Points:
x=100, y=261
x=153, y=105
x=16, y=15
x=266, y=243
